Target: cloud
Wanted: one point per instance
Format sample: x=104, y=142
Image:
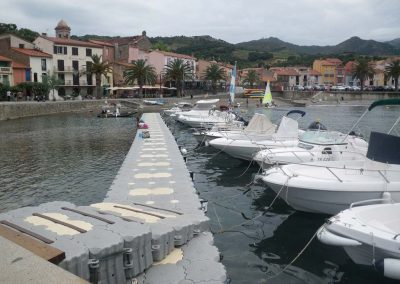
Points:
x=319, y=22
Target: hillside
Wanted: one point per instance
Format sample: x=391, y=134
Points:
x=352, y=45
x=395, y=43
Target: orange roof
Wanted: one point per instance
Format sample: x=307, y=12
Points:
x=31, y=52
x=18, y=65
x=313, y=72
x=99, y=42
x=73, y=42
x=177, y=55
x=3, y=58
x=286, y=72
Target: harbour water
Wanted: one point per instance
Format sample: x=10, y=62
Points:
x=75, y=157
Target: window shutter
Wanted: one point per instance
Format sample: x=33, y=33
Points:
x=65, y=50
x=55, y=49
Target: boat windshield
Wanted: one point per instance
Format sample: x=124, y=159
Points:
x=322, y=137
x=305, y=146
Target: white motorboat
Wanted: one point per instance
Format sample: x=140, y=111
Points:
x=159, y=102
x=369, y=234
x=258, y=128
x=315, y=145
x=179, y=107
x=201, y=108
x=331, y=186
x=214, y=117
x=246, y=146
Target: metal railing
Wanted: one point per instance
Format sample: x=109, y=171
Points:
x=5, y=69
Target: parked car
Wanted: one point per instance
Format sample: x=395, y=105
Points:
x=309, y=88
x=298, y=88
x=355, y=88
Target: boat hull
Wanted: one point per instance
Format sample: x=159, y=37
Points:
x=246, y=150
x=323, y=201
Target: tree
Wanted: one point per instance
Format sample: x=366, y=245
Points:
x=178, y=71
x=362, y=71
x=98, y=68
x=140, y=72
x=251, y=77
x=393, y=70
x=52, y=83
x=214, y=73
x=160, y=46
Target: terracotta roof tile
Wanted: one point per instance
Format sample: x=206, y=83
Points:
x=73, y=42
x=32, y=52
x=313, y=72
x=125, y=40
x=3, y=58
x=286, y=72
x=99, y=42
x=177, y=55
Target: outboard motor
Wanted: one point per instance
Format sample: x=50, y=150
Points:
x=241, y=119
x=316, y=125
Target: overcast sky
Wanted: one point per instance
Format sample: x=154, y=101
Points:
x=304, y=22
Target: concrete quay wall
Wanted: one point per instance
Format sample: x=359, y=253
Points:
x=26, y=109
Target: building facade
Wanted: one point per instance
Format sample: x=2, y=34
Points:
x=6, y=71
x=332, y=71
x=26, y=56
x=71, y=60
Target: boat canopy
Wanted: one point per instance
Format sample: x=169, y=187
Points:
x=206, y=104
x=322, y=137
x=384, y=148
x=384, y=103
x=259, y=123
x=288, y=128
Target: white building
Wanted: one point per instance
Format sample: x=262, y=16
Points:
x=71, y=60
x=24, y=52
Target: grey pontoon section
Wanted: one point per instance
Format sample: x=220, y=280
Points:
x=196, y=262
x=154, y=178
x=98, y=248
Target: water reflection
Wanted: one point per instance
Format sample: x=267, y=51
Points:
x=71, y=157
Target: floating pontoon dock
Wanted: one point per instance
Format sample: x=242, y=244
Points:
x=151, y=227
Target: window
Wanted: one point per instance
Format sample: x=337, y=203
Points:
x=88, y=52
x=34, y=77
x=75, y=65
x=60, y=49
x=21, y=45
x=44, y=65
x=43, y=76
x=74, y=51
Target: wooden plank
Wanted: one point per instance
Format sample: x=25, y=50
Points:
x=39, y=248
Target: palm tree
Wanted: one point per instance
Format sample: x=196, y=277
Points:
x=214, y=73
x=251, y=77
x=140, y=72
x=98, y=68
x=362, y=71
x=393, y=70
x=178, y=71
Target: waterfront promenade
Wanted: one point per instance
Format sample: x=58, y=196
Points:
x=151, y=226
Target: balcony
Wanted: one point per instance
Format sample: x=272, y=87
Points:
x=6, y=70
x=70, y=83
x=66, y=69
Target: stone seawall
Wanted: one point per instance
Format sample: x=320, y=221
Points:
x=348, y=96
x=26, y=109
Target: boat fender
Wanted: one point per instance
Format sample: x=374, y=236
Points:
x=387, y=197
x=183, y=151
x=389, y=267
x=332, y=239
